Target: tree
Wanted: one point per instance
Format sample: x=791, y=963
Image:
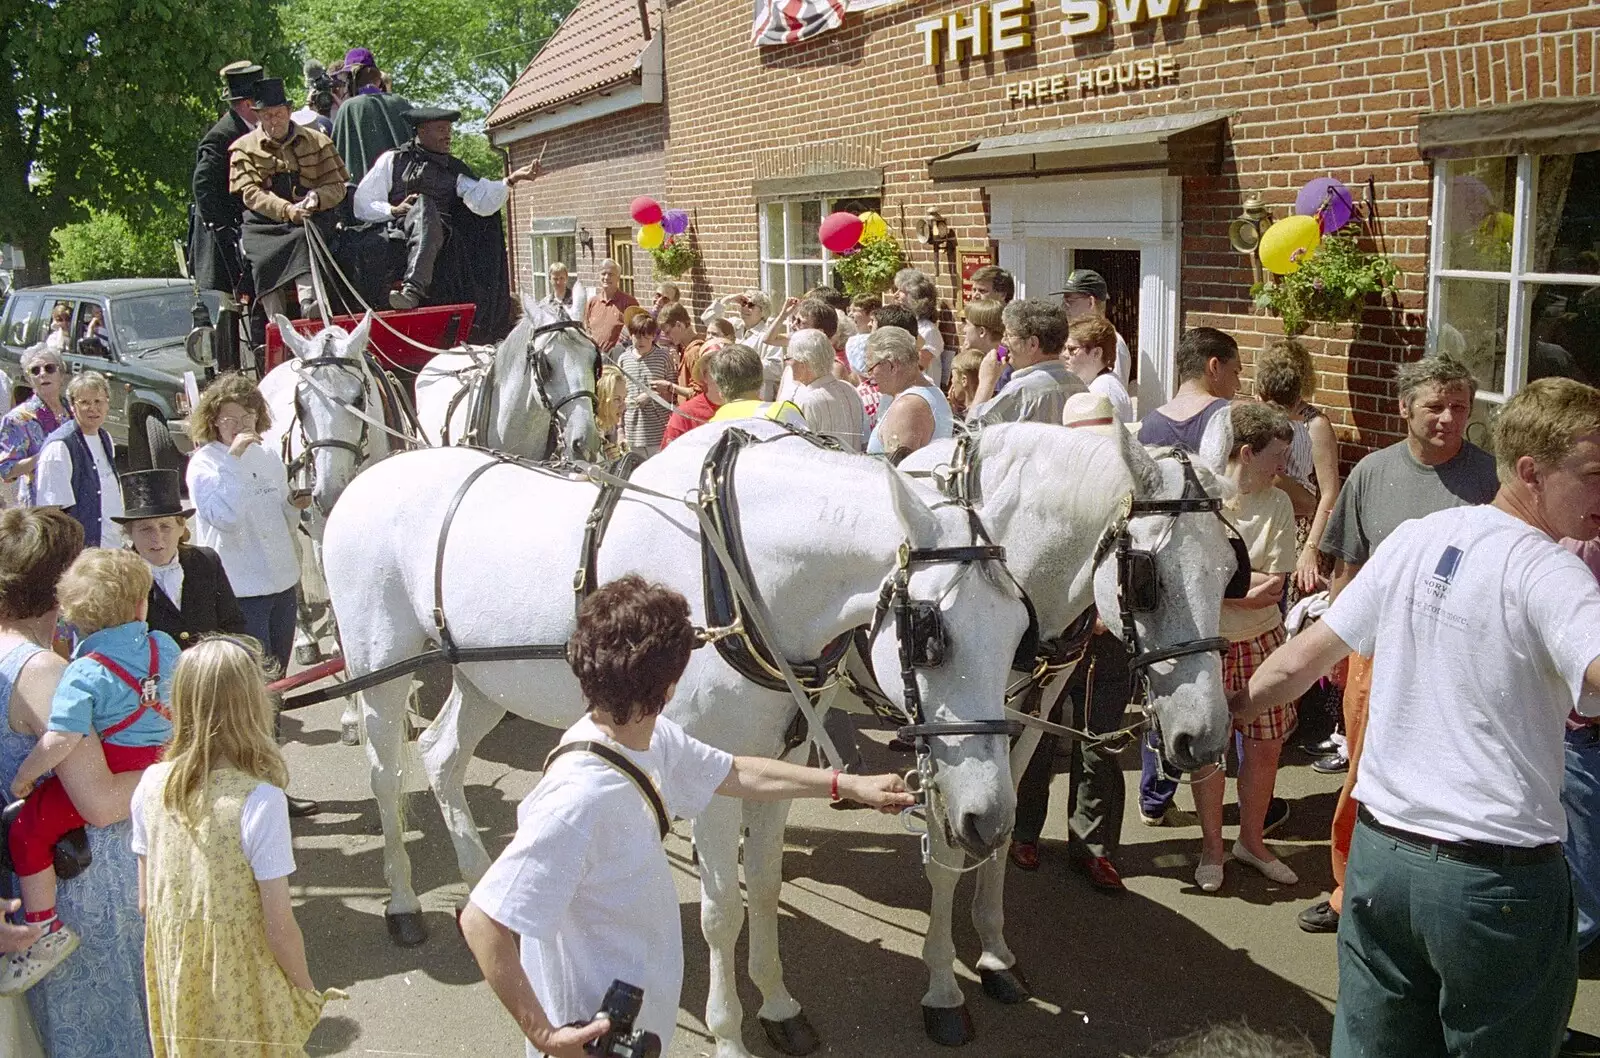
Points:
x=106, y=246
x=461, y=53
x=103, y=101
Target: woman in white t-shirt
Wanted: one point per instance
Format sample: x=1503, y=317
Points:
x=244, y=511
x=211, y=830
x=1091, y=354
x=585, y=883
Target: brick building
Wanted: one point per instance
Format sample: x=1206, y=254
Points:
x=589, y=107
x=1123, y=135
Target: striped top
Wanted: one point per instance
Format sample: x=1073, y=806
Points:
x=1299, y=464
x=644, y=422
x=307, y=155
x=833, y=409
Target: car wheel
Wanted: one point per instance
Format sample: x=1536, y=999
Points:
x=160, y=450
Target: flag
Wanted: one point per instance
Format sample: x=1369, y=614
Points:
x=792, y=21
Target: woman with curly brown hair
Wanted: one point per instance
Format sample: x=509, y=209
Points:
x=244, y=511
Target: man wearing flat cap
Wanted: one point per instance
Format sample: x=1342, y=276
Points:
x=420, y=189
x=287, y=175
x=215, y=217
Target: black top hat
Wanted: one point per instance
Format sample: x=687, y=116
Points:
x=268, y=92
x=1086, y=281
x=241, y=77
x=417, y=115
x=151, y=494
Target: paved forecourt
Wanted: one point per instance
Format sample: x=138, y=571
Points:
x=1112, y=974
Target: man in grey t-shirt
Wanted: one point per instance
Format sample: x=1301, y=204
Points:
x=1035, y=334
x=1433, y=469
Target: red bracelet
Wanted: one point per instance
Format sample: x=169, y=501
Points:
x=833, y=794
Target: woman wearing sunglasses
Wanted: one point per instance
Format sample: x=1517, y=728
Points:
x=24, y=428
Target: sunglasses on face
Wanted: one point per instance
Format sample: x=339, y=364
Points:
x=42, y=369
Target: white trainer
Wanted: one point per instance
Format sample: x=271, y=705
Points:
x=1275, y=870
x=27, y=968
x=1208, y=876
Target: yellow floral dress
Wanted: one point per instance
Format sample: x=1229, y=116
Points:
x=213, y=985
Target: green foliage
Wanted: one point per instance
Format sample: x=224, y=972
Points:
x=1330, y=287
x=463, y=53
x=103, y=101
x=474, y=149
x=871, y=267
x=675, y=256
x=106, y=246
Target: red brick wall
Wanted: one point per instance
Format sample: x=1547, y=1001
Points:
x=1320, y=88
x=592, y=171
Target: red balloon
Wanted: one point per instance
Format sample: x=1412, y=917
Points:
x=645, y=210
x=840, y=232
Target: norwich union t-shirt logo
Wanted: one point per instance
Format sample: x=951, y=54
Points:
x=1438, y=584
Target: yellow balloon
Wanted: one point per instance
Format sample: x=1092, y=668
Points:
x=873, y=227
x=651, y=236
x=1284, y=245
x=1497, y=226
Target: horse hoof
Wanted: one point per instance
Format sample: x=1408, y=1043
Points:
x=350, y=733
x=948, y=1026
x=1005, y=986
x=406, y=930
x=307, y=654
x=792, y=1035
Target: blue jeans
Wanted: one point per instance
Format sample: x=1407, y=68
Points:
x=269, y=619
x=1580, y=796
x=1156, y=791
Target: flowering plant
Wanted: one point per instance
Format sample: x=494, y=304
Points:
x=870, y=267
x=675, y=256
x=1332, y=284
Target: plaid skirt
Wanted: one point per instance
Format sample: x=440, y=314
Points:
x=1240, y=663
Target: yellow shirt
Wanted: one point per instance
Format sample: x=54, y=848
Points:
x=776, y=410
x=1265, y=520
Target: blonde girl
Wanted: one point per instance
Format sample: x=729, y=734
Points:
x=225, y=963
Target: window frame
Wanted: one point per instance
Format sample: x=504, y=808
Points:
x=1519, y=277
x=541, y=238
x=619, y=247
x=765, y=259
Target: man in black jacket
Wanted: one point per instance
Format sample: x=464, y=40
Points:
x=190, y=596
x=216, y=215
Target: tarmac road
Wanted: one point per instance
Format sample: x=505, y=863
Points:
x=1113, y=974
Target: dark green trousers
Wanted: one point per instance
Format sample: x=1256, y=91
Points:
x=1443, y=958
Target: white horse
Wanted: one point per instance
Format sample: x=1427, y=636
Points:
x=543, y=374
x=822, y=532
x=1049, y=496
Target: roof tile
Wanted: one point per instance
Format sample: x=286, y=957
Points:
x=598, y=44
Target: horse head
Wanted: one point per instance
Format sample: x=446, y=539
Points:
x=331, y=382
x=1166, y=575
x=546, y=365
x=966, y=619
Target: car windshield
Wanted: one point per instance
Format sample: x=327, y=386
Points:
x=163, y=318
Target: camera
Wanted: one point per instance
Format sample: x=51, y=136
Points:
x=622, y=1005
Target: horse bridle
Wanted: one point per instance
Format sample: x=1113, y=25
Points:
x=539, y=367
x=1138, y=587
x=920, y=631
x=308, y=444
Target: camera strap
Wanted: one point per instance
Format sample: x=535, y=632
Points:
x=647, y=788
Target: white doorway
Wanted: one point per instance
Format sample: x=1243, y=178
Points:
x=1041, y=225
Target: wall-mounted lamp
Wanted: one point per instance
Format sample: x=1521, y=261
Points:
x=586, y=242
x=1245, y=232
x=934, y=232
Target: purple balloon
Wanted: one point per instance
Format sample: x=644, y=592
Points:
x=675, y=221
x=1340, y=205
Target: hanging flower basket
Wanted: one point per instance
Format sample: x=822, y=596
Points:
x=1331, y=286
x=675, y=256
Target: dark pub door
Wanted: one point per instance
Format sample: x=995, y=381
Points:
x=1120, y=269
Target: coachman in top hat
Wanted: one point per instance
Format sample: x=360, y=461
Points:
x=216, y=214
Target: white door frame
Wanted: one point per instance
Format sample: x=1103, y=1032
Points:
x=1036, y=222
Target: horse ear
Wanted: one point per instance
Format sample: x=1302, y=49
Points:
x=530, y=307
x=580, y=300
x=291, y=337
x=921, y=527
x=356, y=344
x=1217, y=442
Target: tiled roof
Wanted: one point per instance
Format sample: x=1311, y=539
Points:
x=597, y=45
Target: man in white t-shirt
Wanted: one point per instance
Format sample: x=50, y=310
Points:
x=1484, y=633
x=585, y=883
